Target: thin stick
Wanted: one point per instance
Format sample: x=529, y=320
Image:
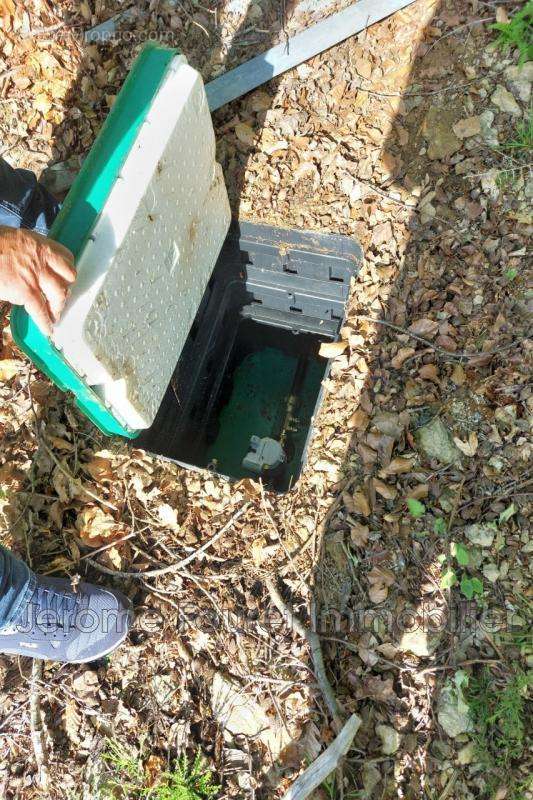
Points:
x=36, y=724
x=77, y=481
x=440, y=350
x=178, y=565
x=316, y=653
x=326, y=763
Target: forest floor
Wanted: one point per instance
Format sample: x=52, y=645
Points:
x=406, y=542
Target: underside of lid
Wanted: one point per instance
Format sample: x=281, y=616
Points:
x=145, y=266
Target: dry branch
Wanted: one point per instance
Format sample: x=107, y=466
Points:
x=178, y=565
x=316, y=653
x=326, y=763
x=37, y=725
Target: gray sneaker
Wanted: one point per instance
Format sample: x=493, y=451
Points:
x=60, y=624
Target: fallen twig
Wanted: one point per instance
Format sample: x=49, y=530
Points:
x=178, y=565
x=76, y=481
x=459, y=354
x=316, y=653
x=326, y=763
x=37, y=725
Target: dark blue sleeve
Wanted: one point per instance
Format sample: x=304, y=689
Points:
x=24, y=203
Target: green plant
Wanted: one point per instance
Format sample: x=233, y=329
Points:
x=517, y=32
x=471, y=586
x=499, y=717
x=187, y=782
x=523, y=137
x=126, y=774
x=127, y=780
x=416, y=508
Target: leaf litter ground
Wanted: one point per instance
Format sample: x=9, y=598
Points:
x=406, y=542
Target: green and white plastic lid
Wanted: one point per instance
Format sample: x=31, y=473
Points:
x=159, y=214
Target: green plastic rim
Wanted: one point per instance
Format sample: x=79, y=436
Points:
x=78, y=215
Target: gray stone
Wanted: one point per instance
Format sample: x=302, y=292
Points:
x=452, y=711
x=520, y=79
x=466, y=754
x=59, y=177
x=435, y=441
x=491, y=572
x=438, y=131
x=419, y=642
x=390, y=739
x=504, y=100
x=481, y=533
x=371, y=776
x=490, y=136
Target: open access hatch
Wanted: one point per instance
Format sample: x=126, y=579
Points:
x=248, y=381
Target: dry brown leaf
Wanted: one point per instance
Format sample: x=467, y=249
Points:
x=424, y=327
x=379, y=578
x=397, y=466
x=96, y=527
x=402, y=355
x=359, y=420
x=100, y=469
x=429, y=372
x=9, y=367
x=245, y=133
x=386, y=491
x=359, y=533
x=72, y=721
x=360, y=504
x=469, y=448
x=332, y=349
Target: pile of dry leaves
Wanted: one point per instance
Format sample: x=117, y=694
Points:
x=405, y=545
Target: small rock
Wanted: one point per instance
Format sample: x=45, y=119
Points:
x=419, y=642
x=491, y=572
x=371, y=776
x=470, y=126
x=489, y=183
x=238, y=712
x=255, y=12
x=490, y=136
x=388, y=422
x=481, y=533
x=390, y=739
x=520, y=79
x=466, y=754
x=59, y=177
x=435, y=441
x=453, y=713
x=505, y=101
x=439, y=133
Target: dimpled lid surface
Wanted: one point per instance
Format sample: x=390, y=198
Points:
x=146, y=265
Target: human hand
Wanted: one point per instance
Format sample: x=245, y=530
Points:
x=35, y=272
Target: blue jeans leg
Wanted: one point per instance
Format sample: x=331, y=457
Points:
x=17, y=583
x=23, y=204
